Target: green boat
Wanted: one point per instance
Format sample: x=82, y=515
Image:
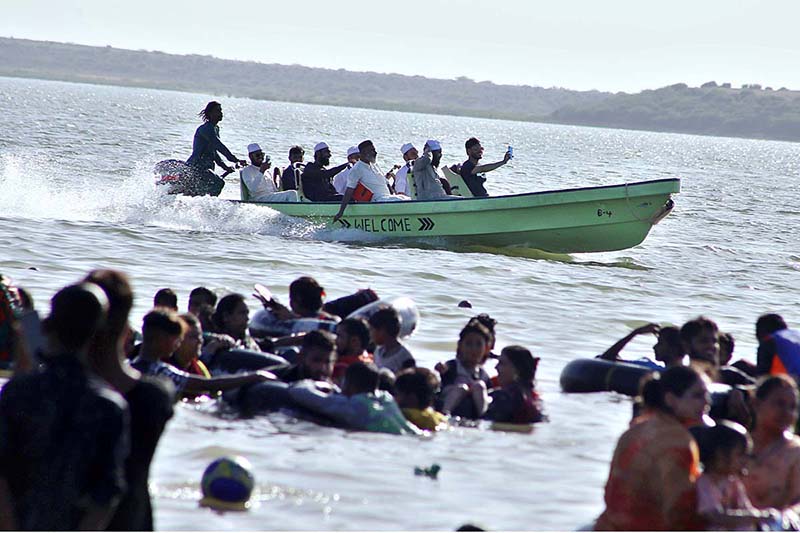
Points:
x=589, y=219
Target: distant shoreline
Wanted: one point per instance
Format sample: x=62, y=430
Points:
x=712, y=110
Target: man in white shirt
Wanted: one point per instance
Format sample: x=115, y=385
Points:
x=261, y=188
x=401, y=184
x=340, y=180
x=364, y=183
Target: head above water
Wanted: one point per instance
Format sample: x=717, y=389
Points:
x=776, y=404
x=352, y=337
x=387, y=320
x=523, y=362
x=416, y=388
x=117, y=288
x=77, y=313
x=669, y=348
x=232, y=315
x=473, y=342
x=318, y=355
x=680, y=391
x=306, y=296
x=166, y=298
x=199, y=297
x=720, y=443
x=212, y=112
x=361, y=378
x=699, y=338
x=768, y=324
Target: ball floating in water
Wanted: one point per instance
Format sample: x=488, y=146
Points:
x=465, y=304
x=227, y=484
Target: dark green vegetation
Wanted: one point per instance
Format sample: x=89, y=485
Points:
x=710, y=110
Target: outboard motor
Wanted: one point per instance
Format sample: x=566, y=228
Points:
x=180, y=178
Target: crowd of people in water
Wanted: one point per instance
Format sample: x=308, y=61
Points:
x=711, y=443
x=80, y=417
x=358, y=179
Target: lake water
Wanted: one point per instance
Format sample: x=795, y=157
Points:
x=76, y=193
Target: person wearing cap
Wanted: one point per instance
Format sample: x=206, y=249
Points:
x=365, y=183
x=64, y=432
x=401, y=184
x=472, y=172
x=206, y=148
x=261, y=188
x=290, y=173
x=340, y=180
x=317, y=185
x=427, y=177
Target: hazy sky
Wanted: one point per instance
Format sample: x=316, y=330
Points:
x=612, y=45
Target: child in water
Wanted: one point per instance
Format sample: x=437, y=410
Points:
x=464, y=381
x=414, y=390
x=515, y=401
x=384, y=328
x=721, y=496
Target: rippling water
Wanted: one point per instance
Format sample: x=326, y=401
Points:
x=76, y=193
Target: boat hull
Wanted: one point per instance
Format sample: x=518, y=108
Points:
x=592, y=219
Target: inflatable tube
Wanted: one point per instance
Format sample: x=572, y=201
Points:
x=405, y=307
x=265, y=324
x=599, y=375
x=345, y=305
x=270, y=396
x=233, y=361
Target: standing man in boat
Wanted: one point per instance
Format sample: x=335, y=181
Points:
x=472, y=172
x=316, y=179
x=205, y=150
x=364, y=184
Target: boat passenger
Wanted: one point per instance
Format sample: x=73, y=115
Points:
x=472, y=172
x=317, y=185
x=261, y=188
x=166, y=298
x=773, y=470
x=364, y=183
x=290, y=174
x=721, y=496
x=231, y=318
x=150, y=401
x=315, y=361
x=464, y=381
x=162, y=333
x=658, y=446
x=515, y=401
x=668, y=350
x=360, y=405
x=414, y=391
x=401, y=183
x=352, y=340
x=427, y=176
x=205, y=150
x=778, y=347
x=340, y=180
x=384, y=329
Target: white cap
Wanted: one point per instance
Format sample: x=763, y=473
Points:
x=405, y=148
x=433, y=144
x=352, y=151
x=320, y=146
x=253, y=147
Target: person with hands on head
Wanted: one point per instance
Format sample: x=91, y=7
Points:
x=472, y=172
x=668, y=350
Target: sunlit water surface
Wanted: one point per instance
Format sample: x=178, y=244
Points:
x=76, y=193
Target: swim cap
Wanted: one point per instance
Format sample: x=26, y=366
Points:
x=227, y=484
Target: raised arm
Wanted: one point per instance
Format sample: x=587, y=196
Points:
x=488, y=167
x=612, y=354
